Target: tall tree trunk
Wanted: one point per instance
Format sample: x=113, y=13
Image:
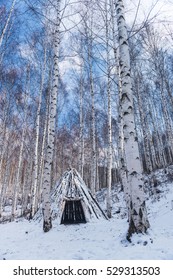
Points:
x=93, y=129
x=45, y=132
x=17, y=180
x=144, y=127
x=158, y=139
x=36, y=151
x=26, y=207
x=138, y=221
x=46, y=207
x=81, y=135
x=109, y=160
x=121, y=151
x=121, y=156
x=5, y=135
x=4, y=186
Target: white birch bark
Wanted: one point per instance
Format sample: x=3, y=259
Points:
x=42, y=157
x=81, y=136
x=17, y=180
x=109, y=160
x=45, y=132
x=46, y=207
x=159, y=143
x=26, y=207
x=144, y=129
x=93, y=163
x=121, y=155
x=4, y=148
x=138, y=221
x=36, y=156
x=5, y=134
x=97, y=175
x=121, y=151
x=4, y=187
x=154, y=161
x=93, y=130
x=115, y=46
x=7, y=22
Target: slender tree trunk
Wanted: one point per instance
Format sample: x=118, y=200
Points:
x=4, y=148
x=93, y=130
x=81, y=136
x=46, y=206
x=26, y=207
x=144, y=129
x=36, y=155
x=115, y=46
x=17, y=181
x=45, y=132
x=154, y=161
x=7, y=22
x=121, y=156
x=5, y=135
x=109, y=174
x=4, y=187
x=138, y=221
x=97, y=176
x=109, y=160
x=159, y=143
x=42, y=158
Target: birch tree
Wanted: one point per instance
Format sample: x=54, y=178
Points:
x=4, y=135
x=36, y=156
x=81, y=135
x=4, y=187
x=17, y=181
x=93, y=134
x=158, y=139
x=109, y=165
x=46, y=207
x=7, y=22
x=138, y=221
x=88, y=26
x=45, y=132
x=144, y=125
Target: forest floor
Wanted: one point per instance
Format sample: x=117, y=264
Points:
x=22, y=240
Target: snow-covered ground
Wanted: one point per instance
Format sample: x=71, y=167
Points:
x=97, y=240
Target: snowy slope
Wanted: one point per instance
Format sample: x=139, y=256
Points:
x=96, y=240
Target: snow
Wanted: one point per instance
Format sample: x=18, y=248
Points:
x=101, y=240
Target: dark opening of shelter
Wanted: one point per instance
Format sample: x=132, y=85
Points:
x=73, y=213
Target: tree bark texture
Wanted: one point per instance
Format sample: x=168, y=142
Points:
x=17, y=180
x=138, y=221
x=93, y=125
x=81, y=134
x=109, y=160
x=36, y=151
x=144, y=128
x=46, y=206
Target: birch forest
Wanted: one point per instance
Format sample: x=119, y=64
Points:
x=85, y=85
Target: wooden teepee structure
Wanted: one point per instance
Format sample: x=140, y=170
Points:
x=73, y=202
